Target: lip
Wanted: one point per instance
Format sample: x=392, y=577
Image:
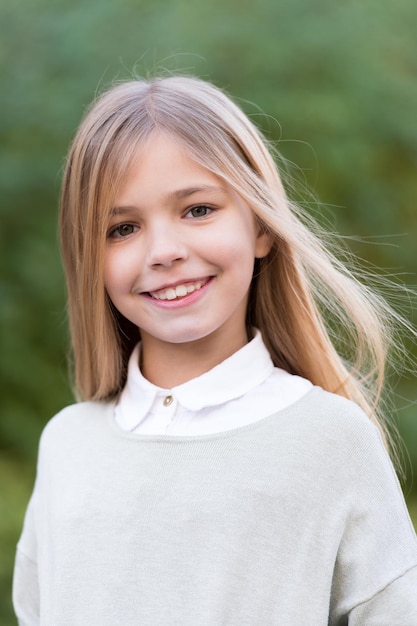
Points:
x=183, y=301
x=184, y=281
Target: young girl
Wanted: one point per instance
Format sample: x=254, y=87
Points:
x=227, y=465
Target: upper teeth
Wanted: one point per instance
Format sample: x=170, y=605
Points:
x=177, y=292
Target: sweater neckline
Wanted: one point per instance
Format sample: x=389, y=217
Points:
x=226, y=434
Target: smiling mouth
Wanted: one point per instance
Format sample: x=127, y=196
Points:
x=179, y=291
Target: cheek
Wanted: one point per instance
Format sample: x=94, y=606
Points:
x=116, y=270
x=234, y=246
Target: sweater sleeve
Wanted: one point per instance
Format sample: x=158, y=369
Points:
x=375, y=579
x=26, y=591
x=396, y=605
x=25, y=579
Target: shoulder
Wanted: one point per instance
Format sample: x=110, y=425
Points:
x=336, y=451
x=77, y=420
x=327, y=425
x=329, y=412
x=325, y=411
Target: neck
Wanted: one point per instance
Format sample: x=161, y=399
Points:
x=168, y=365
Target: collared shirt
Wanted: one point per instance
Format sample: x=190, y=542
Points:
x=242, y=389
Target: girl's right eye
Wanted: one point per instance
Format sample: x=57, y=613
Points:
x=123, y=230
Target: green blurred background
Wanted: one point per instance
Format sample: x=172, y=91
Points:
x=337, y=81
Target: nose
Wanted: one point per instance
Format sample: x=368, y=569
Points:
x=165, y=246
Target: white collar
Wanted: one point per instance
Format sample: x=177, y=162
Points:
x=244, y=370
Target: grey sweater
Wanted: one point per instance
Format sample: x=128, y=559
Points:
x=296, y=519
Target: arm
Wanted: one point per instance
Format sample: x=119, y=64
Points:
x=26, y=591
x=25, y=581
x=392, y=606
x=375, y=578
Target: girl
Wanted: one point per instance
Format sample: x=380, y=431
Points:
x=227, y=465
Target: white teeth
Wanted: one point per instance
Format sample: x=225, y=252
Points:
x=170, y=294
x=178, y=292
x=181, y=290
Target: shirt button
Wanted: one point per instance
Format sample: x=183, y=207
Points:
x=168, y=400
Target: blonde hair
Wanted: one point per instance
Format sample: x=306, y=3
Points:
x=316, y=318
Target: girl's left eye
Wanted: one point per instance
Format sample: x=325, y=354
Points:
x=201, y=210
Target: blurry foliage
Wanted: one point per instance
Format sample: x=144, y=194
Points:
x=337, y=82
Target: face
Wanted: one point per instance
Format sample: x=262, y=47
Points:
x=180, y=251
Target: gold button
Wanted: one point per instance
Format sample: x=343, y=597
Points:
x=168, y=400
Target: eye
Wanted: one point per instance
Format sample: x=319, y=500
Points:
x=201, y=210
x=123, y=230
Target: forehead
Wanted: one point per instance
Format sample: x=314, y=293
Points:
x=164, y=163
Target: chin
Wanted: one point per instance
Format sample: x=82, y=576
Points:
x=181, y=336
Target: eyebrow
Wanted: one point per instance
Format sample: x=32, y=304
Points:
x=189, y=191
x=179, y=194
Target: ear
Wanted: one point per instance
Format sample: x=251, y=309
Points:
x=263, y=244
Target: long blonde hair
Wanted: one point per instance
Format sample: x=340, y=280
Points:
x=316, y=318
